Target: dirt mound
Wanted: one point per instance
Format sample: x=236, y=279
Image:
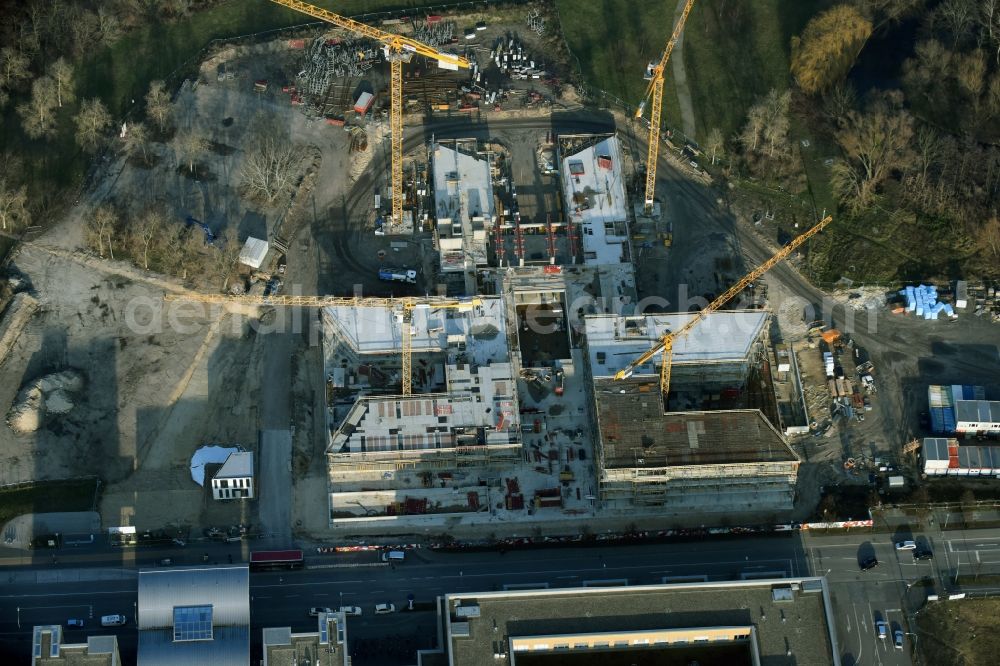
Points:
x=50, y=394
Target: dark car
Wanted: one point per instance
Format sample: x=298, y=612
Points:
x=923, y=554
x=869, y=563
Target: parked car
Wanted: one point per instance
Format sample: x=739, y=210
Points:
x=113, y=620
x=350, y=610
x=897, y=639
x=923, y=554
x=75, y=624
x=316, y=610
x=382, y=609
x=869, y=563
x=881, y=629
x=906, y=545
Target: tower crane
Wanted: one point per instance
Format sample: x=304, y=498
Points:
x=399, y=49
x=655, y=92
x=404, y=306
x=666, y=342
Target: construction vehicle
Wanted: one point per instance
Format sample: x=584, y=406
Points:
x=398, y=49
x=666, y=342
x=404, y=308
x=654, y=93
x=408, y=276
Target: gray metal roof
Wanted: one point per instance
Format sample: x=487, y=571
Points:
x=230, y=646
x=226, y=588
x=238, y=465
x=977, y=411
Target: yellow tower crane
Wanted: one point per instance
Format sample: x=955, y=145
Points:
x=404, y=306
x=666, y=342
x=655, y=92
x=399, y=49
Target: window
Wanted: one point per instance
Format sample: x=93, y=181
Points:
x=192, y=623
x=224, y=483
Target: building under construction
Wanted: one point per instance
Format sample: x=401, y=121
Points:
x=716, y=449
x=386, y=449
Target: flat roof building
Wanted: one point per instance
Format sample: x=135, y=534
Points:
x=48, y=649
x=594, y=196
x=327, y=646
x=194, y=615
x=716, y=353
x=704, y=462
x=463, y=204
x=737, y=623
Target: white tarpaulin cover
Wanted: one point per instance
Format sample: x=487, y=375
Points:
x=253, y=252
x=207, y=455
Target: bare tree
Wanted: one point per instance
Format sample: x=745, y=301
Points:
x=989, y=22
x=62, y=73
x=839, y=101
x=715, y=145
x=13, y=205
x=228, y=254
x=91, y=123
x=993, y=94
x=15, y=66
x=101, y=228
x=269, y=167
x=776, y=128
x=875, y=143
x=158, y=105
x=38, y=114
x=957, y=17
x=150, y=226
x=756, y=119
x=190, y=146
x=928, y=149
x=767, y=122
x=109, y=27
x=989, y=236
x=136, y=140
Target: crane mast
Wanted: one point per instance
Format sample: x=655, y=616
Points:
x=654, y=92
x=399, y=49
x=666, y=342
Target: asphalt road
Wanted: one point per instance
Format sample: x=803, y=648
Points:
x=893, y=591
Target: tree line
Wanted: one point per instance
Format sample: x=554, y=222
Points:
x=924, y=146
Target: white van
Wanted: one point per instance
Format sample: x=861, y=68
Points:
x=393, y=556
x=113, y=620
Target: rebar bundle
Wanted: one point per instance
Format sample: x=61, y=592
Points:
x=434, y=34
x=328, y=59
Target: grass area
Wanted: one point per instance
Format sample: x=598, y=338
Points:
x=735, y=52
x=614, y=40
x=47, y=496
x=959, y=632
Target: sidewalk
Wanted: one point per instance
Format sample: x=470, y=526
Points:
x=53, y=576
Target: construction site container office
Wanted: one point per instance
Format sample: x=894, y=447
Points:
x=363, y=103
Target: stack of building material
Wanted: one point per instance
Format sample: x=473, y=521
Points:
x=922, y=301
x=327, y=59
x=434, y=31
x=828, y=363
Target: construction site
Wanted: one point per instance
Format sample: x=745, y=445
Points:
x=458, y=312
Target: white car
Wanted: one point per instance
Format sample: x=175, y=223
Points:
x=881, y=629
x=906, y=545
x=316, y=610
x=350, y=610
x=382, y=609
